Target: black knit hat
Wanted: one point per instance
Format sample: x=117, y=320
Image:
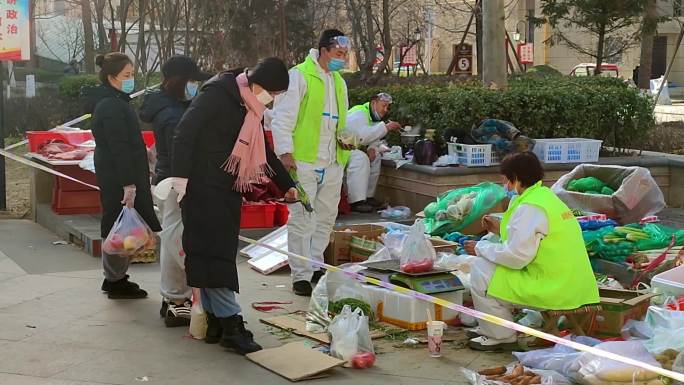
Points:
x=271, y=74
x=327, y=36
x=183, y=66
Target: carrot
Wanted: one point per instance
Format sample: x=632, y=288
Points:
x=518, y=370
x=499, y=370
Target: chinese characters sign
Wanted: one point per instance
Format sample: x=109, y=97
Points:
x=526, y=53
x=15, y=37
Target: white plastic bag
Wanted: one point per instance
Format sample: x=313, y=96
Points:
x=417, y=254
x=396, y=212
x=318, y=318
x=129, y=235
x=637, y=195
x=664, y=97
x=559, y=358
x=668, y=328
x=381, y=255
x=350, y=334
x=636, y=330
x=599, y=370
x=198, y=317
x=394, y=241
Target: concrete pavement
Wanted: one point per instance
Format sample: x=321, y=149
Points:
x=57, y=328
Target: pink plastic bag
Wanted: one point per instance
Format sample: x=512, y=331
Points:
x=129, y=235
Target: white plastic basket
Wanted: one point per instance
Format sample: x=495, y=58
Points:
x=567, y=150
x=474, y=155
x=670, y=282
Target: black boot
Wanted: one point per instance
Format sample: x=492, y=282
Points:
x=214, y=329
x=123, y=289
x=236, y=337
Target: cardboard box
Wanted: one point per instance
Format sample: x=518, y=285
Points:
x=338, y=251
x=442, y=246
x=619, y=306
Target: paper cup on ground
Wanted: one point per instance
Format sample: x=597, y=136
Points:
x=435, y=332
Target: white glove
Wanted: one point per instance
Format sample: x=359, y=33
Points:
x=179, y=185
x=129, y=196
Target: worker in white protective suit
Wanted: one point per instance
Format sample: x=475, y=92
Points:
x=307, y=121
x=365, y=122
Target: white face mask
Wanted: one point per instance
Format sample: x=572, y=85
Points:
x=264, y=98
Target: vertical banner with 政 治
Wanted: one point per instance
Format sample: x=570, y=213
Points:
x=15, y=37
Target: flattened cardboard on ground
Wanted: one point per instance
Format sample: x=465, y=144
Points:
x=296, y=323
x=295, y=361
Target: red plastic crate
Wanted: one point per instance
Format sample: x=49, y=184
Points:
x=76, y=172
x=257, y=215
x=75, y=202
x=38, y=138
x=282, y=214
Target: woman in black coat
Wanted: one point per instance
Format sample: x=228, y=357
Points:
x=121, y=164
x=164, y=109
x=205, y=137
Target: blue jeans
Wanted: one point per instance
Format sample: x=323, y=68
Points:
x=220, y=302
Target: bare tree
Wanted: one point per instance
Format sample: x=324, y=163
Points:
x=89, y=43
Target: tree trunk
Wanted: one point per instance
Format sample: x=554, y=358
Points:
x=599, y=49
x=101, y=31
x=367, y=68
x=123, y=10
x=33, y=63
x=387, y=36
x=478, y=38
x=142, y=47
x=647, y=35
x=89, y=43
x=494, y=55
x=283, y=31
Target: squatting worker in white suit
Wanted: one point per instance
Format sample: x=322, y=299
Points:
x=365, y=121
x=307, y=120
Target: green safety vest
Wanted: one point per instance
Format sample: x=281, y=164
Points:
x=365, y=108
x=560, y=275
x=308, y=129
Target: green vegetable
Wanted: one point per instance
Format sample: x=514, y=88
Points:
x=607, y=190
x=335, y=307
x=303, y=196
x=587, y=185
x=578, y=212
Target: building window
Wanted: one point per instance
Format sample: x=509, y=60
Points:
x=677, y=8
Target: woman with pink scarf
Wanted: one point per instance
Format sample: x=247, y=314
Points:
x=219, y=150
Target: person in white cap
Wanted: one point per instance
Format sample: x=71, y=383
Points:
x=365, y=122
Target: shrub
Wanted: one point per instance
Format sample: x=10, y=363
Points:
x=46, y=110
x=70, y=86
x=556, y=107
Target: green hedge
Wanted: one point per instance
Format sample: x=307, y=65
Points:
x=599, y=108
x=70, y=86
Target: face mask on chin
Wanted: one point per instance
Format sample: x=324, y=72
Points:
x=375, y=116
x=191, y=90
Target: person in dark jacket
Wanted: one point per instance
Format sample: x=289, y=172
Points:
x=218, y=147
x=164, y=109
x=121, y=163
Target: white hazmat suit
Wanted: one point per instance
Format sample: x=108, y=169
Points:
x=362, y=174
x=309, y=233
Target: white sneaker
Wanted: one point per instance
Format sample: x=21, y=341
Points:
x=474, y=332
x=486, y=344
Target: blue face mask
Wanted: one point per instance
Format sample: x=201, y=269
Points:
x=191, y=90
x=336, y=64
x=509, y=193
x=128, y=85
